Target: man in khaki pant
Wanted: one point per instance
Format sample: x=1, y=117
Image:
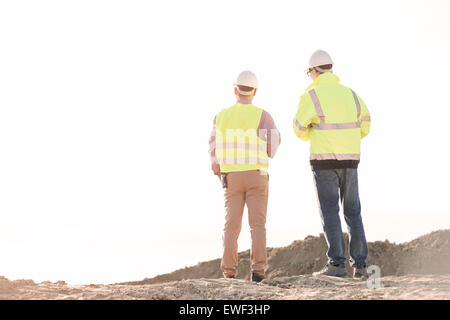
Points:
x=243, y=138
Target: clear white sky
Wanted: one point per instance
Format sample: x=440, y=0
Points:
x=106, y=108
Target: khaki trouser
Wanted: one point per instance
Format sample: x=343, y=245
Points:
x=251, y=188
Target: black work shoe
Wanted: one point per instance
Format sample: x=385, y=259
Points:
x=257, y=277
x=333, y=271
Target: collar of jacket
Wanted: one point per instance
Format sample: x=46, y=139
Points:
x=327, y=77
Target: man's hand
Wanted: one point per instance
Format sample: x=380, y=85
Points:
x=216, y=169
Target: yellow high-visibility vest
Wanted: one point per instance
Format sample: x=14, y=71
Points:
x=239, y=145
x=334, y=118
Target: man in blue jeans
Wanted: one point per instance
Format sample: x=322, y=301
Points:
x=335, y=119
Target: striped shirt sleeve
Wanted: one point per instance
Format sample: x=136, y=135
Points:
x=215, y=167
x=268, y=131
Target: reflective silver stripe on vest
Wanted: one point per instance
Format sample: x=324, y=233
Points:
x=246, y=160
x=317, y=105
x=336, y=126
x=241, y=145
x=358, y=106
x=332, y=156
x=299, y=126
x=333, y=126
x=365, y=118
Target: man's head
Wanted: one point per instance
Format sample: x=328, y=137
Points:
x=245, y=86
x=244, y=92
x=320, y=62
x=314, y=72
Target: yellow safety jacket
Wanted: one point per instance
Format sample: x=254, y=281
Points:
x=335, y=119
x=238, y=144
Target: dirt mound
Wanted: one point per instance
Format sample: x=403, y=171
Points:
x=302, y=287
x=428, y=254
x=419, y=269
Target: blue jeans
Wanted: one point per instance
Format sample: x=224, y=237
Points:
x=330, y=185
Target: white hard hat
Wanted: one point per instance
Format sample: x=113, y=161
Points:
x=248, y=79
x=319, y=58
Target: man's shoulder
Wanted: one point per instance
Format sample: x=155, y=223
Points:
x=225, y=109
x=237, y=106
x=251, y=105
x=348, y=90
x=305, y=97
x=260, y=109
x=306, y=93
x=344, y=87
x=265, y=114
x=341, y=86
x=337, y=88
